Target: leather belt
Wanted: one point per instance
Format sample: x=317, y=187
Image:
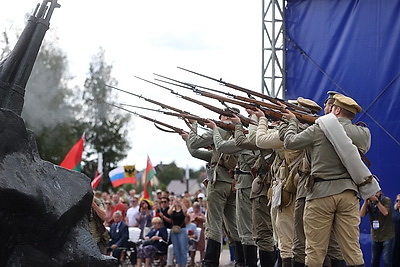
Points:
x=238, y=171
x=318, y=179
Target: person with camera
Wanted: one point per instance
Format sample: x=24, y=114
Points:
x=379, y=208
x=143, y=219
x=163, y=214
x=154, y=242
x=179, y=236
x=396, y=241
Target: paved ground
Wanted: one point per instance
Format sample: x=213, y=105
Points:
x=225, y=258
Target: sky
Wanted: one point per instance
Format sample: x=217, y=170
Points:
x=219, y=38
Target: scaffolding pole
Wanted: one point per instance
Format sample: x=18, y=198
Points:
x=273, y=45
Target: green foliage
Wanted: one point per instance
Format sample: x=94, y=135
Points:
x=197, y=173
x=107, y=125
x=166, y=173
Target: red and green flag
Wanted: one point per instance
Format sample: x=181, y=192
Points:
x=72, y=160
x=150, y=173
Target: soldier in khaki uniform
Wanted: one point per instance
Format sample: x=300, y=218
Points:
x=284, y=166
x=221, y=198
x=334, y=256
x=256, y=207
x=333, y=202
x=244, y=179
x=96, y=226
x=261, y=210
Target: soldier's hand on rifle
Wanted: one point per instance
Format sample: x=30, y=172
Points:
x=210, y=124
x=235, y=119
x=184, y=135
x=287, y=114
x=250, y=111
x=259, y=113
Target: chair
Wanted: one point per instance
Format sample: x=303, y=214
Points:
x=130, y=253
x=160, y=259
x=192, y=248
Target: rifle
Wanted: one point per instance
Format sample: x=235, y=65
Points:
x=174, y=129
x=202, y=121
x=249, y=92
x=270, y=110
x=246, y=121
x=150, y=100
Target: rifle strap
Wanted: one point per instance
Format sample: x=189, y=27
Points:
x=164, y=130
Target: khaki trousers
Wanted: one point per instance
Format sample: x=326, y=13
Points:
x=243, y=216
x=339, y=212
x=262, y=224
x=221, y=208
x=299, y=238
x=285, y=230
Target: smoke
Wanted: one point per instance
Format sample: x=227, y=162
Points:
x=48, y=100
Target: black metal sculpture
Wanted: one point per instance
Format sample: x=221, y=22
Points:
x=43, y=208
x=17, y=67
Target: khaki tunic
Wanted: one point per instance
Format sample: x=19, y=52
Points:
x=96, y=227
x=325, y=163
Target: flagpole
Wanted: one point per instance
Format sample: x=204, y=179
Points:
x=187, y=178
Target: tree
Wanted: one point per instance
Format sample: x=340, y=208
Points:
x=166, y=173
x=107, y=126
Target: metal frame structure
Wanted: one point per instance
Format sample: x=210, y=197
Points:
x=273, y=48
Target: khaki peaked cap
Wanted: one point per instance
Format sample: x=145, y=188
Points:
x=308, y=103
x=347, y=103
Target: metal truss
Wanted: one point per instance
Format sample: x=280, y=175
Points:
x=273, y=43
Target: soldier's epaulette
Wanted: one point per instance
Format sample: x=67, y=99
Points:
x=360, y=123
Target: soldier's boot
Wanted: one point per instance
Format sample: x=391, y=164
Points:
x=327, y=262
x=287, y=262
x=278, y=262
x=250, y=255
x=337, y=263
x=211, y=257
x=267, y=258
x=298, y=264
x=239, y=254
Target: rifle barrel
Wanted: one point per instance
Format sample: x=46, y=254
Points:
x=249, y=92
x=150, y=100
x=175, y=129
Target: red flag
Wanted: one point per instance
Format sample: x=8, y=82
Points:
x=96, y=180
x=150, y=173
x=72, y=160
x=99, y=171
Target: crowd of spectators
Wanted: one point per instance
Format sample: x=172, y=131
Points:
x=165, y=211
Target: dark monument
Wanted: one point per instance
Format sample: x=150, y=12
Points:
x=43, y=208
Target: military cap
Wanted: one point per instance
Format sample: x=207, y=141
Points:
x=293, y=101
x=347, y=103
x=308, y=103
x=331, y=94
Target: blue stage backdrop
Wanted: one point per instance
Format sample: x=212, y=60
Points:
x=352, y=47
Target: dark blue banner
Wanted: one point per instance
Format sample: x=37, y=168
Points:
x=352, y=47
